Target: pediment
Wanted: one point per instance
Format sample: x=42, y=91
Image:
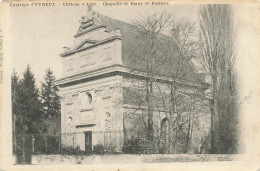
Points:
x=85, y=43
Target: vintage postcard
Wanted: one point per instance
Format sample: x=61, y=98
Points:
x=130, y=85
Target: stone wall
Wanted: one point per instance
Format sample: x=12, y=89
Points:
x=93, y=106
x=89, y=56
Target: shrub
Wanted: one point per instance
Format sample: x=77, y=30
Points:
x=138, y=146
x=131, y=146
x=71, y=151
x=205, y=146
x=110, y=148
x=46, y=145
x=99, y=149
x=88, y=152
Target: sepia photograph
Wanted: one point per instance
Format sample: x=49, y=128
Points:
x=141, y=82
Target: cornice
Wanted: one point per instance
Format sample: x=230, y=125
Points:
x=115, y=70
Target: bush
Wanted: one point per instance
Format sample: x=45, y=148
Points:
x=131, y=146
x=52, y=143
x=138, y=146
x=88, y=152
x=110, y=148
x=71, y=151
x=99, y=149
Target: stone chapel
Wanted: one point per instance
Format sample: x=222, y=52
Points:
x=98, y=70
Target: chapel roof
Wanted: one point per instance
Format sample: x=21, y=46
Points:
x=130, y=50
x=131, y=53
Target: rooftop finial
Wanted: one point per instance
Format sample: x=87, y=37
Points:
x=90, y=12
x=91, y=19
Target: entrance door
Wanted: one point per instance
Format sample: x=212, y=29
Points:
x=88, y=141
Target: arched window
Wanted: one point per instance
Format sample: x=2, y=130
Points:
x=164, y=128
x=86, y=100
x=89, y=98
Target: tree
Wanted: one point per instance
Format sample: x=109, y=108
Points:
x=217, y=37
x=148, y=32
x=50, y=120
x=50, y=97
x=27, y=104
x=14, y=88
x=183, y=49
x=167, y=47
x=26, y=108
x=182, y=46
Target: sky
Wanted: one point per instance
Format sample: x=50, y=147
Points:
x=36, y=35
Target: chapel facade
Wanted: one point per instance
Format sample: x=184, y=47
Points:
x=98, y=72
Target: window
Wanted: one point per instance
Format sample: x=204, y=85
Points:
x=164, y=129
x=86, y=101
x=89, y=98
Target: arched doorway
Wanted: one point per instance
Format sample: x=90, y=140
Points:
x=164, y=135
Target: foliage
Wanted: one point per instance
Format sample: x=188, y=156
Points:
x=49, y=95
x=138, y=146
x=98, y=149
x=50, y=121
x=30, y=113
x=26, y=104
x=110, y=148
x=46, y=144
x=23, y=149
x=14, y=89
x=51, y=109
x=205, y=146
x=71, y=151
x=52, y=149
